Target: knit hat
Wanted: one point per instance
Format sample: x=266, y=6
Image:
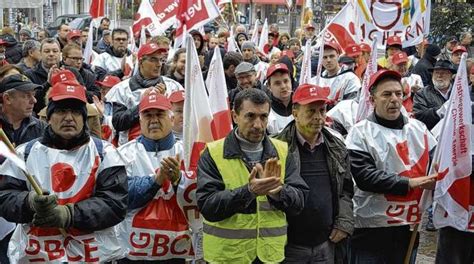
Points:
x=66, y=104
x=433, y=50
x=248, y=45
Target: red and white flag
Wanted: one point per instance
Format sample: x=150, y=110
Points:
x=146, y=17
x=254, y=38
x=305, y=76
x=88, y=51
x=263, y=37
x=166, y=11
x=192, y=14
x=341, y=29
x=453, y=195
x=97, y=9
x=218, y=98
x=365, y=107
x=197, y=118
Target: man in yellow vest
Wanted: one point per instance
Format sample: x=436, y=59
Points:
x=247, y=182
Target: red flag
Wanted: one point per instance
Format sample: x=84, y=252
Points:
x=341, y=29
x=97, y=8
x=192, y=14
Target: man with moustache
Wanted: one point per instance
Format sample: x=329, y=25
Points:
x=126, y=95
x=246, y=78
x=247, y=182
x=315, y=235
x=111, y=61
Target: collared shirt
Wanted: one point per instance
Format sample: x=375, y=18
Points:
x=444, y=95
x=305, y=143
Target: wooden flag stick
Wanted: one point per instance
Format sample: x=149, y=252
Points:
x=412, y=244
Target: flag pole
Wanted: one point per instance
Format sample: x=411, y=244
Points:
x=411, y=245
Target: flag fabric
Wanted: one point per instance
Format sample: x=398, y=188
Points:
x=132, y=45
x=365, y=107
x=97, y=9
x=320, y=61
x=192, y=14
x=231, y=43
x=142, y=37
x=88, y=51
x=289, y=4
x=218, y=98
x=166, y=11
x=263, y=37
x=254, y=38
x=197, y=118
x=6, y=153
x=146, y=17
x=305, y=76
x=453, y=197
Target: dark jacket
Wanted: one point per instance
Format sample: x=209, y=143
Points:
x=31, y=128
x=339, y=170
x=217, y=204
x=13, y=52
x=425, y=104
x=423, y=67
x=38, y=75
x=106, y=208
x=233, y=93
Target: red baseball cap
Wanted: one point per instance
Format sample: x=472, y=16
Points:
x=332, y=45
x=287, y=53
x=63, y=76
x=309, y=25
x=2, y=41
x=61, y=91
x=109, y=81
x=154, y=100
x=353, y=50
x=148, y=49
x=309, y=93
x=176, y=96
x=73, y=33
x=382, y=74
x=394, y=41
x=365, y=47
x=275, y=68
x=472, y=70
x=459, y=48
x=399, y=57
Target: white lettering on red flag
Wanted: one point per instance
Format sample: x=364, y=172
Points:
x=146, y=17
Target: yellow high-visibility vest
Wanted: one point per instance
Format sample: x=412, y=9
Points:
x=242, y=238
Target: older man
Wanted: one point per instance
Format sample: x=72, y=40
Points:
x=327, y=218
x=156, y=184
x=389, y=155
x=279, y=91
x=126, y=95
x=429, y=100
x=50, y=56
x=31, y=55
x=246, y=78
x=247, y=182
x=85, y=186
x=446, y=52
x=249, y=54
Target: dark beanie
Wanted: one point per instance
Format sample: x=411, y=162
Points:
x=433, y=50
x=67, y=104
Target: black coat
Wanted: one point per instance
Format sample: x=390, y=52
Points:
x=425, y=104
x=30, y=129
x=13, y=51
x=423, y=68
x=38, y=75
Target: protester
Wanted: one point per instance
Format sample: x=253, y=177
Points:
x=249, y=54
x=31, y=55
x=126, y=95
x=246, y=78
x=105, y=108
x=230, y=61
x=269, y=48
x=274, y=57
x=111, y=61
x=309, y=34
x=355, y=52
x=451, y=42
x=429, y=100
x=177, y=107
x=394, y=45
x=465, y=40
x=13, y=49
x=240, y=38
x=389, y=155
x=65, y=154
x=456, y=55
x=63, y=30
x=3, y=59
x=164, y=44
x=176, y=69
x=283, y=41
x=25, y=34
x=420, y=52
x=426, y=63
x=104, y=43
x=42, y=34
x=104, y=25
x=247, y=183
x=279, y=92
x=327, y=218
x=84, y=36
x=366, y=50
x=213, y=42
x=74, y=37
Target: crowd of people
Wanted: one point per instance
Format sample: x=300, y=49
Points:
x=297, y=180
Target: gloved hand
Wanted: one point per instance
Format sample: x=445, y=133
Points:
x=60, y=216
x=41, y=203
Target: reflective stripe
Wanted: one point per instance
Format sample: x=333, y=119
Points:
x=265, y=206
x=272, y=231
x=243, y=233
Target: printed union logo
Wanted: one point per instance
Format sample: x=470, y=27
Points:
x=152, y=98
x=70, y=89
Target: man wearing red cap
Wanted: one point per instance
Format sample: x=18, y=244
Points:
x=279, y=91
x=389, y=155
x=74, y=36
x=84, y=183
x=105, y=108
x=411, y=82
x=309, y=34
x=327, y=218
x=177, y=107
x=126, y=95
x=393, y=45
x=159, y=201
x=344, y=83
x=3, y=49
x=456, y=55
x=355, y=52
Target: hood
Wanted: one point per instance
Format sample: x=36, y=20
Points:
x=197, y=33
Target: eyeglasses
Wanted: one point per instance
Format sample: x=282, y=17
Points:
x=76, y=58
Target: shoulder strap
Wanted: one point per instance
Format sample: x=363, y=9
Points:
x=100, y=147
x=28, y=147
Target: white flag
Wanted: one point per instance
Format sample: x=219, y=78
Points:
x=320, y=60
x=219, y=102
x=5, y=152
x=254, y=38
x=146, y=17
x=88, y=52
x=231, y=44
x=197, y=111
x=453, y=206
x=132, y=46
x=305, y=75
x=263, y=37
x=365, y=106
